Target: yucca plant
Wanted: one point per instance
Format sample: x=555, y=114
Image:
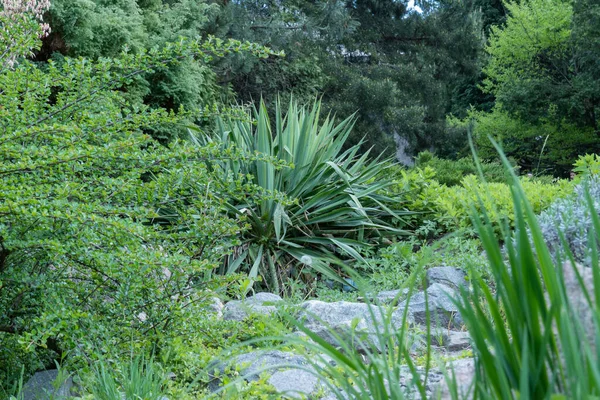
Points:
x=321, y=205
x=535, y=335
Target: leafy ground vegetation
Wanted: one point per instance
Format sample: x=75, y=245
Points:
x=154, y=164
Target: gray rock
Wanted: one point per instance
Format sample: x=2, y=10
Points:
x=252, y=365
x=41, y=387
x=434, y=377
x=580, y=306
x=443, y=312
x=295, y=383
x=320, y=314
x=451, y=340
x=316, y=313
x=264, y=297
x=355, y=322
x=449, y=276
x=392, y=296
x=464, y=374
x=216, y=307
x=329, y=320
x=260, y=303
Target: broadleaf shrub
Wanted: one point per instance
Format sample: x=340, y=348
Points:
x=451, y=172
x=448, y=208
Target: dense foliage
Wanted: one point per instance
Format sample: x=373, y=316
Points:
x=329, y=206
x=543, y=71
x=85, y=265
x=399, y=69
x=445, y=208
x=410, y=72
x=99, y=28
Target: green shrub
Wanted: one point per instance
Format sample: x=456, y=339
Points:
x=545, y=147
x=588, y=164
x=444, y=209
x=451, y=172
x=453, y=204
x=325, y=204
x=86, y=267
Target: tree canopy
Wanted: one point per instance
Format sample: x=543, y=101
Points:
x=543, y=73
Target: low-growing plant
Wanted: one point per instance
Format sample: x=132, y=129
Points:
x=451, y=172
x=391, y=266
x=567, y=222
x=440, y=209
x=139, y=379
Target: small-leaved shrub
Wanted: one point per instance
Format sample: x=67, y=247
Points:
x=568, y=222
x=453, y=205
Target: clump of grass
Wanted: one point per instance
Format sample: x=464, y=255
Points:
x=530, y=338
x=139, y=379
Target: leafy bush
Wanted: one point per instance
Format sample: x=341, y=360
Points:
x=86, y=266
x=453, y=204
x=451, y=172
x=446, y=209
x=588, y=164
x=543, y=148
x=326, y=204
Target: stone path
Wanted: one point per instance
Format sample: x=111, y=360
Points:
x=294, y=376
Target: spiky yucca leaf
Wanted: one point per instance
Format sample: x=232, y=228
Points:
x=334, y=206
